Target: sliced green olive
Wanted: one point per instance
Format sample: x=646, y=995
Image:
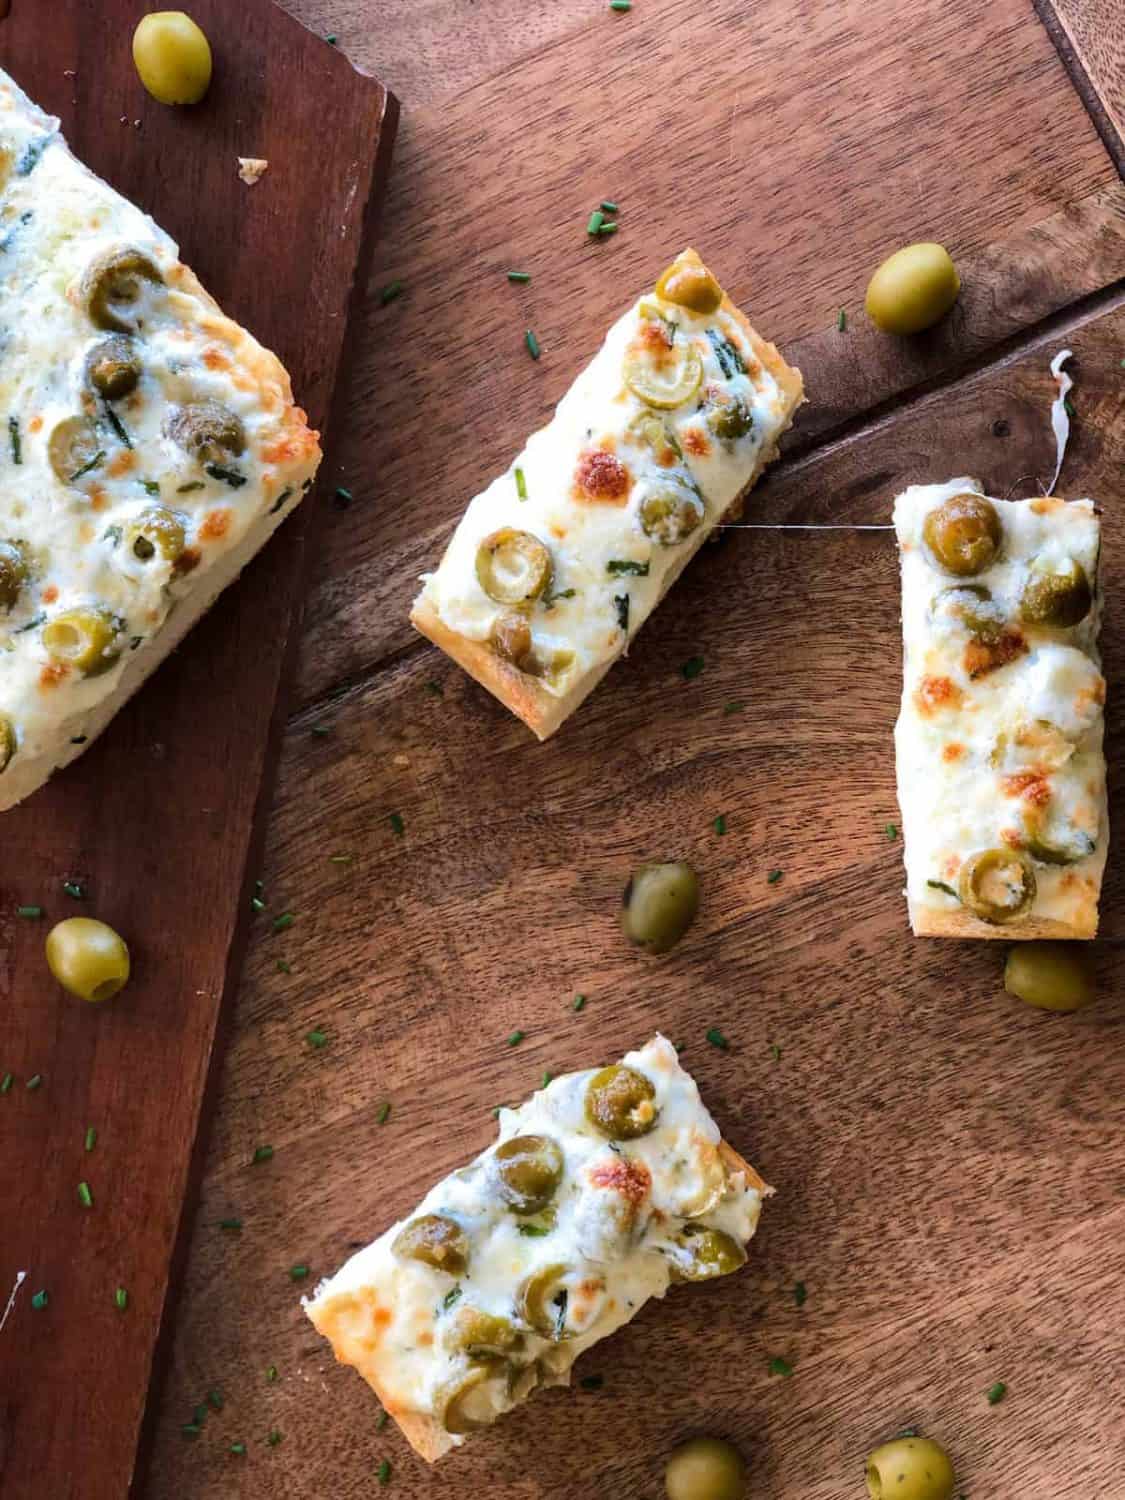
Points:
x=659, y=904
x=155, y=530
x=963, y=534
x=542, y=1300
x=172, y=57
x=87, y=958
x=1065, y=846
x=113, y=367
x=513, y=567
x=971, y=604
x=208, y=430
x=705, y=1468
x=997, y=885
x=480, y=1334
x=529, y=1169
x=73, y=449
x=436, y=1241
x=112, y=288
x=670, y=512
x=730, y=418
x=910, y=1468
x=468, y=1401
x=702, y=1254
x=511, y=638
x=690, y=285
x=912, y=289
x=7, y=742
x=84, y=638
x=1050, y=976
x=13, y=574
x=1062, y=598
x=619, y=1103
x=651, y=431
x=663, y=375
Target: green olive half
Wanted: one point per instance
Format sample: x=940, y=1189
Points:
x=1051, y=976
x=155, y=530
x=481, y=1335
x=436, y=1241
x=659, y=904
x=84, y=638
x=113, y=367
x=699, y=1254
x=912, y=289
x=208, y=430
x=87, y=958
x=73, y=449
x=910, y=1468
x=13, y=574
x=730, y=418
x=471, y=1398
x=513, y=567
x=112, y=288
x=663, y=372
x=529, y=1169
x=1060, y=597
x=670, y=512
x=963, y=534
x=542, y=1301
x=997, y=885
x=970, y=604
x=705, y=1468
x=1059, y=844
x=8, y=744
x=619, y=1103
x=691, y=285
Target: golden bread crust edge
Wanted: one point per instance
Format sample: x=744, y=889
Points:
x=928, y=921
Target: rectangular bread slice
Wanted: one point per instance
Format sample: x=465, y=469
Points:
x=556, y=565
x=602, y=1189
x=149, y=447
x=1001, y=771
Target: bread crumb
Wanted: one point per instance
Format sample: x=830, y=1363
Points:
x=251, y=168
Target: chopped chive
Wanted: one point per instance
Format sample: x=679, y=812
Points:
x=75, y=888
x=215, y=1400
x=692, y=668
x=91, y=1137
x=119, y=428
x=191, y=1429
x=284, y=921
x=239, y=1449
x=261, y=1153
x=298, y=1273
x=86, y=467
x=841, y=320
x=397, y=825
x=779, y=1366
x=579, y=1002
x=996, y=1393
x=621, y=605
x=230, y=1223
x=592, y=1382
x=520, y=276
x=383, y=1113
x=452, y=1296
x=274, y=1438
x=435, y=689
x=383, y=1472
x=317, y=1038
x=30, y=912
x=733, y=707
x=392, y=290
x=940, y=885
x=606, y=229
x=534, y=1231
x=607, y=207
x=320, y=730
x=14, y=441
x=121, y=1298
x=259, y=887
x=532, y=344
x=891, y=830
x=1068, y=406
x=800, y=1294
x=619, y=567
x=546, y=1080
x=596, y=220
x=496, y=1108
x=6, y=1082
x=340, y=859
x=621, y=5
x=257, y=904
x=720, y=824
x=775, y=1052
x=149, y=486
x=521, y=484
x=516, y=1038
x=773, y=877
x=34, y=1082
x=283, y=967
x=331, y=38
x=271, y=1374
x=381, y=1421
x=85, y=1197
x=39, y=1301
x=717, y=1039
x=342, y=497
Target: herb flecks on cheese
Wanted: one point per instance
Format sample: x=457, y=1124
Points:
x=150, y=443
x=603, y=1189
x=1001, y=771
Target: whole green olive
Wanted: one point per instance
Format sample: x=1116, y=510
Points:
x=670, y=512
x=172, y=57
x=691, y=285
x=8, y=743
x=542, y=1301
x=702, y=1254
x=73, y=449
x=208, y=430
x=659, y=904
x=705, y=1468
x=1050, y=976
x=529, y=1169
x=730, y=418
x=112, y=288
x=479, y=1334
x=910, y=1468
x=620, y=1103
x=963, y=534
x=113, y=367
x=513, y=567
x=13, y=573
x=997, y=885
x=912, y=289
x=154, y=530
x=436, y=1241
x=87, y=958
x=1060, y=597
x=510, y=637
x=84, y=638
x=470, y=1399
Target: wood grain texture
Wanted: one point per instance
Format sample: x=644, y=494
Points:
x=1096, y=31
x=948, y=1162
x=157, y=820
x=811, y=141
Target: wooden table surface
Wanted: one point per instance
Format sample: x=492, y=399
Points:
x=949, y=1164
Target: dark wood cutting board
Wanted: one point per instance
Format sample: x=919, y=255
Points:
x=159, y=821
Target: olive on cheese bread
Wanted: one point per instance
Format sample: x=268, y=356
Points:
x=555, y=567
x=603, y=1189
x=149, y=446
x=1001, y=772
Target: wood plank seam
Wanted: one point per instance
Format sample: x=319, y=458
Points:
x=1083, y=84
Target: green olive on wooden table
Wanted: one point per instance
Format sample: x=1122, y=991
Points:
x=910, y=1468
x=529, y=1169
x=705, y=1468
x=1050, y=976
x=87, y=958
x=7, y=741
x=690, y=285
x=670, y=512
x=112, y=286
x=468, y=1401
x=208, y=430
x=513, y=567
x=13, y=574
x=436, y=1241
x=963, y=534
x=659, y=904
x=172, y=57
x=156, y=529
x=1060, y=597
x=997, y=885
x=84, y=638
x=73, y=449
x=912, y=289
x=479, y=1334
x=113, y=367
x=620, y=1103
